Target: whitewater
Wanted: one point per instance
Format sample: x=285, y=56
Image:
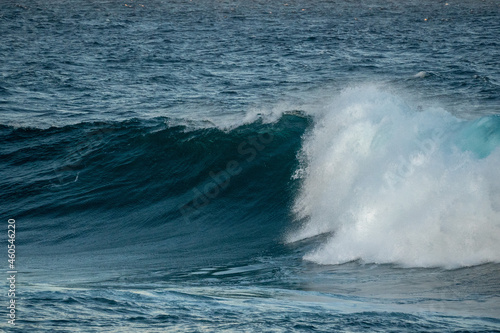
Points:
x=395, y=184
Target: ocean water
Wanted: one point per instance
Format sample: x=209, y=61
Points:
x=251, y=166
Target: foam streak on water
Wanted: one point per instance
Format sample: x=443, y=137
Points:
x=399, y=185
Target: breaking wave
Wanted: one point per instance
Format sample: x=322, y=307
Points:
x=395, y=184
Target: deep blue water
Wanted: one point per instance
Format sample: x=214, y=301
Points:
x=251, y=166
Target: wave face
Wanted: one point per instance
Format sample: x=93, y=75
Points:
x=398, y=185
x=196, y=191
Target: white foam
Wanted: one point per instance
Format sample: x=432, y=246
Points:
x=393, y=187
x=421, y=74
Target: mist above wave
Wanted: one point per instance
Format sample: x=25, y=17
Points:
x=398, y=185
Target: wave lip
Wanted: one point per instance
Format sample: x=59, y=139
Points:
x=398, y=186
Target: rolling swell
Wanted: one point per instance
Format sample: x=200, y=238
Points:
x=390, y=183
x=115, y=185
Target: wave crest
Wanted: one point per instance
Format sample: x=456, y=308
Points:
x=395, y=185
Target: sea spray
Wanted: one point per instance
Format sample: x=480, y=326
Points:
x=397, y=185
